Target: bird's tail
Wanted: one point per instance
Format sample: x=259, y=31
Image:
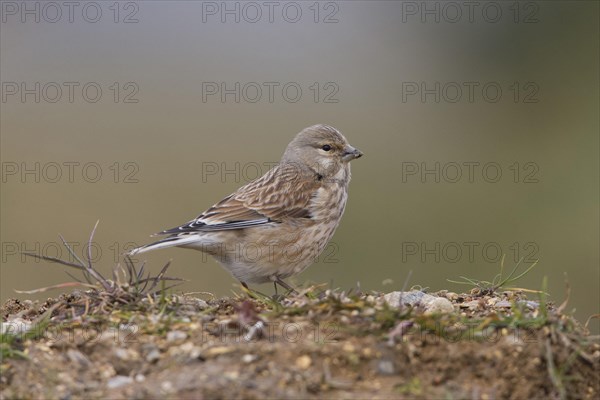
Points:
x=170, y=241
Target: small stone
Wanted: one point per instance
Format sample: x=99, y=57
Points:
x=201, y=304
x=190, y=350
x=532, y=305
x=431, y=304
x=166, y=387
x=249, y=358
x=386, y=367
x=348, y=348
x=368, y=312
x=397, y=299
x=76, y=357
x=107, y=371
x=140, y=378
x=122, y=354
x=153, y=355
x=217, y=351
x=232, y=375
x=303, y=362
x=439, y=305
x=491, y=301
x=471, y=305
x=194, y=326
x=15, y=327
x=118, y=381
x=452, y=296
x=502, y=304
x=174, y=336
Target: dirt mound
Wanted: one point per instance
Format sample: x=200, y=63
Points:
x=339, y=346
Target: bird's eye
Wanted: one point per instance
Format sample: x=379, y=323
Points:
x=326, y=147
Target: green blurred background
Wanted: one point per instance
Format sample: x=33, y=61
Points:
x=358, y=65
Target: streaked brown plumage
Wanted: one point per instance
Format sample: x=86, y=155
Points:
x=277, y=225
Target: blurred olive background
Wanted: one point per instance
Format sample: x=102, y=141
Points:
x=165, y=144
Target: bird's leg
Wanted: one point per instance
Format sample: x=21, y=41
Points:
x=277, y=297
x=284, y=285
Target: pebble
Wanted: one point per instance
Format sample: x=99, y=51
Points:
x=192, y=351
x=348, y=348
x=502, y=304
x=491, y=301
x=126, y=354
x=386, y=367
x=118, y=381
x=78, y=357
x=201, y=303
x=174, y=336
x=217, y=351
x=396, y=299
x=368, y=312
x=167, y=387
x=533, y=305
x=471, y=305
x=452, y=296
x=153, y=355
x=15, y=327
x=249, y=358
x=439, y=305
x=231, y=375
x=107, y=371
x=303, y=362
x=432, y=304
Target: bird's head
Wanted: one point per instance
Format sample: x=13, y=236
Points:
x=322, y=148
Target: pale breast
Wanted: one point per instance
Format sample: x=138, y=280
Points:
x=329, y=202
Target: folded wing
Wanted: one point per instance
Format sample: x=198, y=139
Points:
x=282, y=193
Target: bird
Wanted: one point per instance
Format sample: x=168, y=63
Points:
x=275, y=226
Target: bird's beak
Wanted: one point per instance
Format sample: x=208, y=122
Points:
x=350, y=153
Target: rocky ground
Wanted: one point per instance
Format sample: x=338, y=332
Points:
x=483, y=345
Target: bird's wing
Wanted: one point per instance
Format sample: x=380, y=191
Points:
x=282, y=193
